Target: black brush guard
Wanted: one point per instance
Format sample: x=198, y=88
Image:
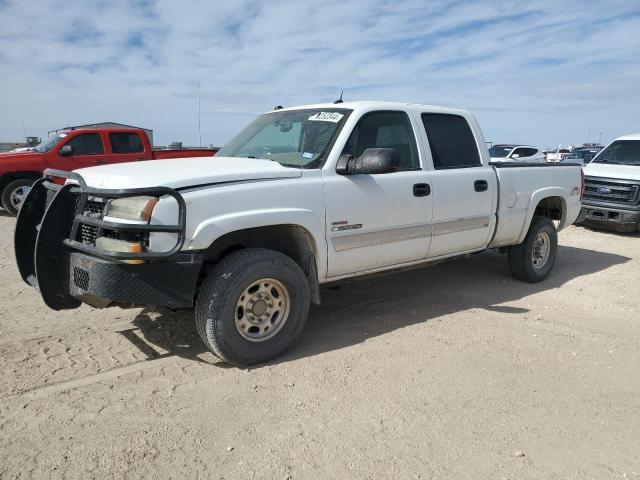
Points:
x=68, y=272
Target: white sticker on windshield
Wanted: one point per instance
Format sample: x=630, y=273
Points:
x=307, y=155
x=333, y=117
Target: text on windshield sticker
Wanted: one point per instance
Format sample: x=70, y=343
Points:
x=326, y=117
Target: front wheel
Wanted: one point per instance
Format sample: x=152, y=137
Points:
x=252, y=306
x=14, y=193
x=533, y=259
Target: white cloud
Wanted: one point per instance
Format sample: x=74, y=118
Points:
x=542, y=72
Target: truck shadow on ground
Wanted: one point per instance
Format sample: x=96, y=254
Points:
x=368, y=308
x=609, y=232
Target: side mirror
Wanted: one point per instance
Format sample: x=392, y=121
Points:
x=65, y=151
x=372, y=161
x=515, y=155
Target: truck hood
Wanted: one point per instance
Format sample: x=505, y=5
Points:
x=5, y=156
x=184, y=172
x=21, y=161
x=610, y=170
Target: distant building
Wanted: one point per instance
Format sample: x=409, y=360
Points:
x=105, y=125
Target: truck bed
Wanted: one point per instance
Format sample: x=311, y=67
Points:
x=163, y=154
x=523, y=184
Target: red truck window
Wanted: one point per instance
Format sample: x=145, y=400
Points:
x=86, y=144
x=125, y=142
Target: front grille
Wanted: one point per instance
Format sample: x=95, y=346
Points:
x=611, y=191
x=81, y=278
x=93, y=208
x=50, y=194
x=88, y=234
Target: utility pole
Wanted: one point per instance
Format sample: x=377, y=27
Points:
x=600, y=139
x=199, y=129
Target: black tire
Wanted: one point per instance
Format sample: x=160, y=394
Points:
x=216, y=307
x=7, y=191
x=521, y=257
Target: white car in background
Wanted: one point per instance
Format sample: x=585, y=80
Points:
x=513, y=153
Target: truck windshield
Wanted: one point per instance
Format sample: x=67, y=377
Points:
x=623, y=152
x=499, y=151
x=293, y=138
x=50, y=143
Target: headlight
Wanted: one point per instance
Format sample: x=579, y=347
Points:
x=131, y=209
x=135, y=210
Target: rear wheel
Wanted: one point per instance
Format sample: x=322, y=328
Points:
x=14, y=193
x=533, y=259
x=252, y=306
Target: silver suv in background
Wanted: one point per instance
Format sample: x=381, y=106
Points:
x=516, y=153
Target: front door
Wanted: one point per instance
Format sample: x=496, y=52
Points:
x=464, y=190
x=374, y=221
x=87, y=151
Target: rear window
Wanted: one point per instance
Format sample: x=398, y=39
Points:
x=451, y=141
x=529, y=152
x=125, y=142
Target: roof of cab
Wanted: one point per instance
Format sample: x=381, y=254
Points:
x=372, y=104
x=633, y=136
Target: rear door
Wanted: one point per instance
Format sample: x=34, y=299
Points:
x=87, y=151
x=127, y=147
x=464, y=190
x=379, y=220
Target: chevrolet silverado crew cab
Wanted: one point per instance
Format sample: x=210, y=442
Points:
x=302, y=197
x=612, y=187
x=77, y=148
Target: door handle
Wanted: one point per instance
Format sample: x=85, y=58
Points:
x=421, y=189
x=481, y=185
x=100, y=162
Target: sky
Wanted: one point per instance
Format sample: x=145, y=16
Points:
x=542, y=72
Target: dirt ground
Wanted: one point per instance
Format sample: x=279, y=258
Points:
x=453, y=371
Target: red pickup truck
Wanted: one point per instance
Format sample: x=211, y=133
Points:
x=78, y=148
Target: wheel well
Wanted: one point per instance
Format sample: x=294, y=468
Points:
x=10, y=177
x=292, y=240
x=554, y=208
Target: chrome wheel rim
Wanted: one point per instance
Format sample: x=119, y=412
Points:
x=262, y=310
x=18, y=195
x=541, y=250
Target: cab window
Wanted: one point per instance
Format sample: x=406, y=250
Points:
x=86, y=144
x=451, y=141
x=125, y=142
x=385, y=130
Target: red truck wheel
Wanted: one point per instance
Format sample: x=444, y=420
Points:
x=14, y=194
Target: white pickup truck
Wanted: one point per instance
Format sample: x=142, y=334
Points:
x=302, y=197
x=612, y=187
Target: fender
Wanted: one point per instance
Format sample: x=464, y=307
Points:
x=209, y=230
x=536, y=197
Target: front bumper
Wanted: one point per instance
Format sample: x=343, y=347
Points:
x=56, y=252
x=609, y=218
x=101, y=283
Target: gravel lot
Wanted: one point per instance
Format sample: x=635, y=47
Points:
x=453, y=371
